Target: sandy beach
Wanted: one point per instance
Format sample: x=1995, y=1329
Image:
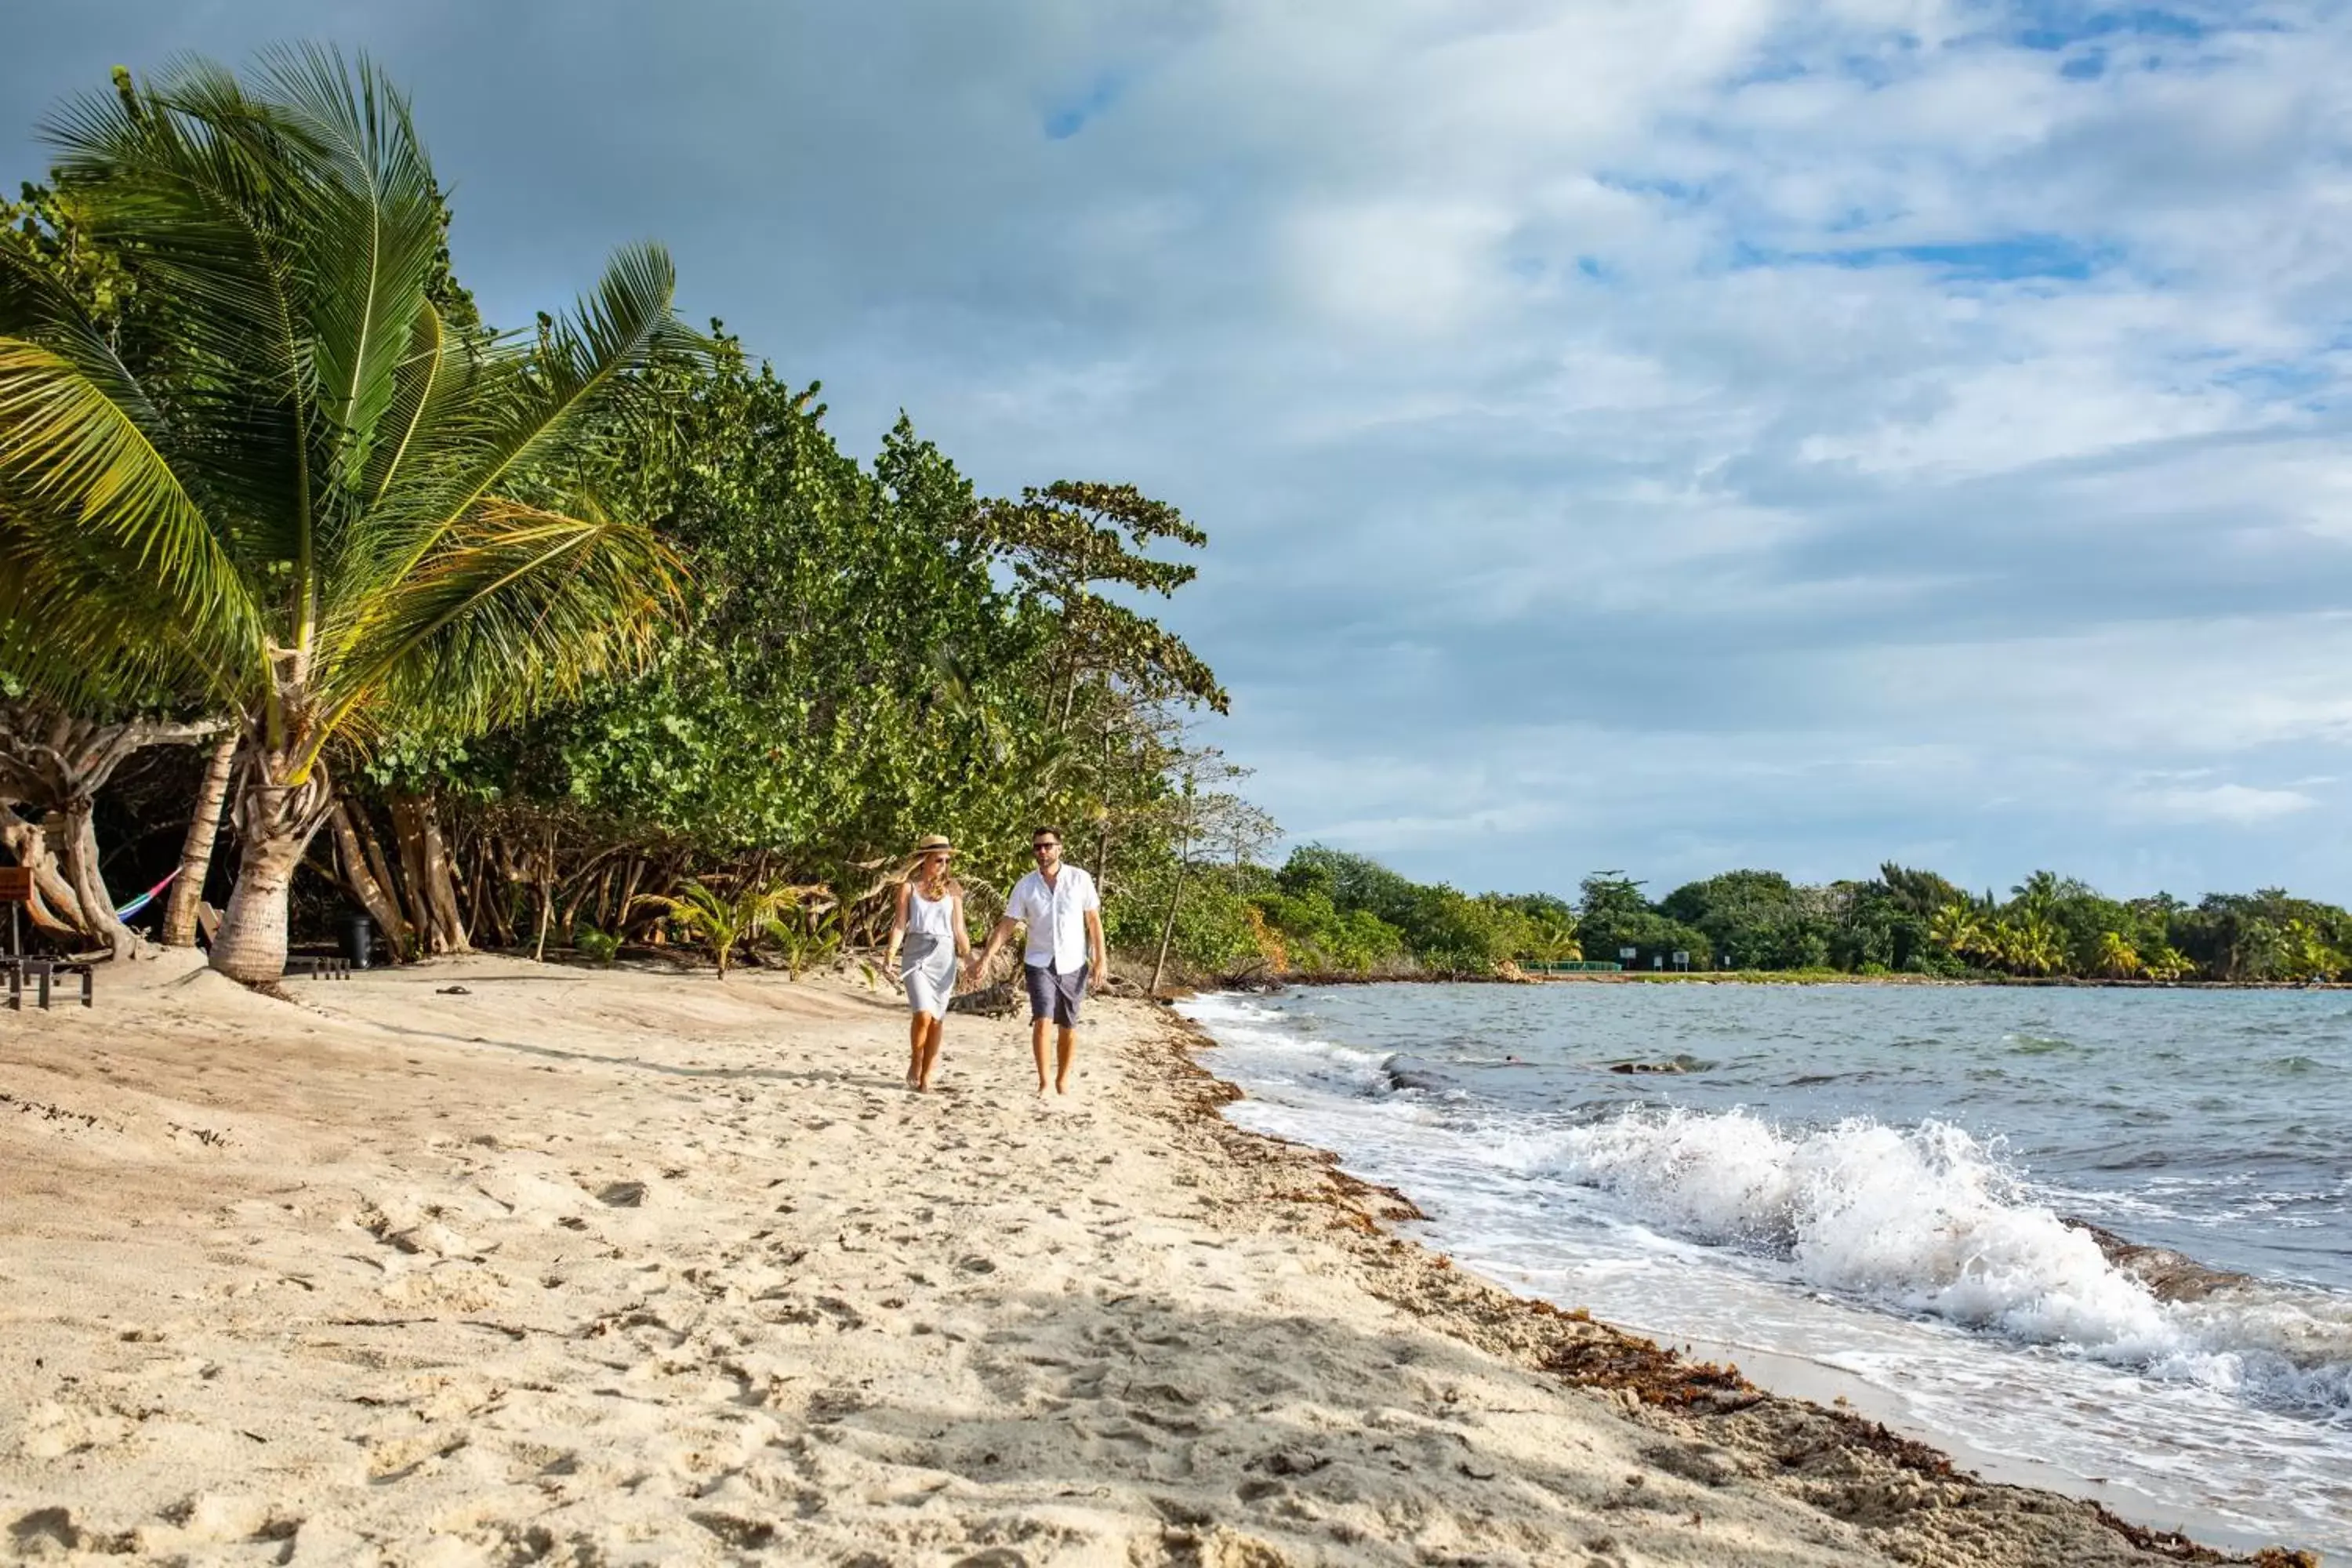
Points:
x=484, y=1262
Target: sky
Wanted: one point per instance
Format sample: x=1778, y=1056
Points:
x=1668, y=437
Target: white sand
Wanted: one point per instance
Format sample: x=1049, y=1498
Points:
x=589, y=1268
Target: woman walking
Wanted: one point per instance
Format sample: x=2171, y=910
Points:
x=930, y=928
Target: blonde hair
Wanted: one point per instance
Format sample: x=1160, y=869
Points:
x=945, y=887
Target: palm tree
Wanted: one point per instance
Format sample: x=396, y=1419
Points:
x=2116, y=958
x=1958, y=929
x=2036, y=945
x=298, y=480
x=726, y=919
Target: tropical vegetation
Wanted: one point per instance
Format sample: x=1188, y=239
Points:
x=586, y=635
x=280, y=485
x=1329, y=912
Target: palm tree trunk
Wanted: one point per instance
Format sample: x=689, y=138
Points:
x=251, y=946
x=196, y=852
x=275, y=824
x=78, y=858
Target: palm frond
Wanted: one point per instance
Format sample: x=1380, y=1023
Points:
x=80, y=440
x=81, y=630
x=188, y=180
x=366, y=228
x=436, y=373
x=516, y=605
x=532, y=403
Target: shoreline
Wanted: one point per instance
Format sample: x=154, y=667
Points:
x=1266, y=984
x=480, y=1261
x=1704, y=1382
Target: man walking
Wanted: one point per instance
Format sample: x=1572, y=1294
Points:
x=1065, y=947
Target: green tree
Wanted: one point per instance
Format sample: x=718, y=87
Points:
x=1762, y=918
x=303, y=484
x=1613, y=915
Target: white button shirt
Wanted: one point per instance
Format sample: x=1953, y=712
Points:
x=1055, y=916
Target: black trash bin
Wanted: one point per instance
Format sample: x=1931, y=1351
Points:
x=359, y=938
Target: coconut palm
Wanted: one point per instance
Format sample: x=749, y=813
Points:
x=720, y=919
x=1958, y=929
x=2034, y=944
x=756, y=905
x=2116, y=958
x=296, y=480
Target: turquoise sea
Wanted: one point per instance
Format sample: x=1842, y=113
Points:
x=1864, y=1190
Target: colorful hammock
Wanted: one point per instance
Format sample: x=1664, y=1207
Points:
x=143, y=899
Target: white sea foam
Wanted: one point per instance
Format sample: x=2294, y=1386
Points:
x=1928, y=1219
x=1274, y=1043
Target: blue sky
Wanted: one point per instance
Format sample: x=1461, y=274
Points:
x=1667, y=436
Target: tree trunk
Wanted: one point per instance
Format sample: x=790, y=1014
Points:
x=196, y=852
x=400, y=934
x=1166, y=931
x=360, y=873
x=440, y=887
x=251, y=946
x=546, y=896
x=497, y=880
x=77, y=842
x=57, y=762
x=54, y=907
x=481, y=891
x=408, y=840
x=275, y=823
x=628, y=897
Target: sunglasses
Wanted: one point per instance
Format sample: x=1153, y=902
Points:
x=1041, y=849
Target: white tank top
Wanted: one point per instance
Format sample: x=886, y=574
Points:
x=932, y=917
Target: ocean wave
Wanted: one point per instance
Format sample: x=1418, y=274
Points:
x=1275, y=1042
x=1928, y=1219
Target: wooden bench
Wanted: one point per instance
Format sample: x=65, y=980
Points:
x=40, y=970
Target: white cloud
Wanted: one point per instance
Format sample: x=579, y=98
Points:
x=2239, y=804
x=1572, y=504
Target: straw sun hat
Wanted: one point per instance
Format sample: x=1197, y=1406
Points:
x=934, y=842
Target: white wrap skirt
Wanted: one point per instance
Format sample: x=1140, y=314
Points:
x=927, y=964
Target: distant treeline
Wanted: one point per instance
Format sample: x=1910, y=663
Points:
x=1325, y=911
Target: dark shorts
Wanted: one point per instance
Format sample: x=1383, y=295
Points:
x=1055, y=996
